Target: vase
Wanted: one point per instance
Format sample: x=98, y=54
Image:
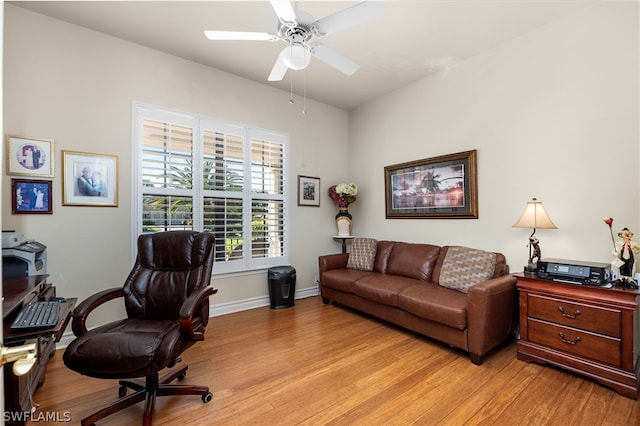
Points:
x=343, y=222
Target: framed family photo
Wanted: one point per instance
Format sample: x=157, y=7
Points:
x=438, y=187
x=31, y=196
x=89, y=179
x=29, y=156
x=308, y=191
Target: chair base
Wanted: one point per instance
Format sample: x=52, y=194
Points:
x=148, y=390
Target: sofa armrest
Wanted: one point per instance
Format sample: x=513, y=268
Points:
x=327, y=263
x=332, y=261
x=490, y=313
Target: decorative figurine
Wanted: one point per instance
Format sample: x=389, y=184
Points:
x=537, y=253
x=626, y=252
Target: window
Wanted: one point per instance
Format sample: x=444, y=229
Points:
x=208, y=175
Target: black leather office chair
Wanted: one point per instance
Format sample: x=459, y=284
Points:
x=166, y=297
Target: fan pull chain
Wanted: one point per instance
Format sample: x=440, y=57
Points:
x=304, y=91
x=291, y=92
x=304, y=88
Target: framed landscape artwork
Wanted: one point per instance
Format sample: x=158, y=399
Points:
x=438, y=187
x=308, y=191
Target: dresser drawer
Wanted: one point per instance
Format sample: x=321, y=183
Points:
x=578, y=342
x=597, y=319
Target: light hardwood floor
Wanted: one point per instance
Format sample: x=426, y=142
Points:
x=315, y=364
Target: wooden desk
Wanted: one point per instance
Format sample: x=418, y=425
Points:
x=14, y=290
x=18, y=390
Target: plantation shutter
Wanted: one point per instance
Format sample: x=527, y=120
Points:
x=214, y=176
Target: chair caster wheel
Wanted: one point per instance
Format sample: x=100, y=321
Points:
x=207, y=397
x=122, y=391
x=182, y=376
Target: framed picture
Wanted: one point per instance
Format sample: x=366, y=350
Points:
x=31, y=196
x=308, y=191
x=89, y=179
x=29, y=156
x=438, y=187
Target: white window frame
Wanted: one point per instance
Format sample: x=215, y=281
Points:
x=199, y=123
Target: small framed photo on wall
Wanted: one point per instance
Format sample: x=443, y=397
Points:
x=308, y=191
x=29, y=156
x=89, y=179
x=31, y=196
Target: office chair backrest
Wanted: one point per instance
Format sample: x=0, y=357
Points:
x=169, y=267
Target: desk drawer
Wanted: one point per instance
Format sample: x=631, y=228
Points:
x=573, y=314
x=575, y=341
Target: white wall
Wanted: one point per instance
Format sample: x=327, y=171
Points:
x=553, y=114
x=76, y=86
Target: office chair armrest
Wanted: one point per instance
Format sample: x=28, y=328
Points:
x=189, y=308
x=82, y=311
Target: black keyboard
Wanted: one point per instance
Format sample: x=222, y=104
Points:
x=37, y=314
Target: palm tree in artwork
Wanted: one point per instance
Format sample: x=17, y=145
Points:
x=431, y=182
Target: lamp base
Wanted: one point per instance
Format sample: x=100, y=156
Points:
x=531, y=269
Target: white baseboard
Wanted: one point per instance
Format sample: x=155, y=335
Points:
x=256, y=302
x=221, y=309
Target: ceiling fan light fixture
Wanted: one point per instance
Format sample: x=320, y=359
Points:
x=296, y=56
x=300, y=31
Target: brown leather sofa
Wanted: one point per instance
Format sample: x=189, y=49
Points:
x=404, y=288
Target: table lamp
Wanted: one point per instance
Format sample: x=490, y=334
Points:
x=534, y=216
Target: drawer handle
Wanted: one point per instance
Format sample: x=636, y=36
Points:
x=569, y=342
x=574, y=316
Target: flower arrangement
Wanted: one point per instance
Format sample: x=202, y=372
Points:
x=609, y=221
x=343, y=194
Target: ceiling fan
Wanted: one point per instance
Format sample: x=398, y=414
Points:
x=301, y=31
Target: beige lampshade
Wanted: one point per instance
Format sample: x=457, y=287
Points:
x=534, y=216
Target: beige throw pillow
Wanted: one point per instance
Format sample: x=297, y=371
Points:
x=465, y=267
x=363, y=254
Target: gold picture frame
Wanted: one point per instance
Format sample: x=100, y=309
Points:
x=89, y=179
x=444, y=187
x=27, y=156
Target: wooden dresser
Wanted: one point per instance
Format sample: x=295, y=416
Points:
x=593, y=331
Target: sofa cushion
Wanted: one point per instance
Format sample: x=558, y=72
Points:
x=465, y=267
x=382, y=288
x=435, y=303
x=363, y=254
x=382, y=256
x=342, y=279
x=413, y=260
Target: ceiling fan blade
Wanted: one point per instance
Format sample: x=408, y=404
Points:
x=284, y=10
x=279, y=69
x=239, y=35
x=350, y=17
x=334, y=59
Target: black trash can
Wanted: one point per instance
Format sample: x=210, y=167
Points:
x=282, y=286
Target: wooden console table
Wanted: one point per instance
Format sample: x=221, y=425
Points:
x=593, y=331
x=18, y=390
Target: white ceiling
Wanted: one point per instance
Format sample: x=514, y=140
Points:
x=411, y=40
